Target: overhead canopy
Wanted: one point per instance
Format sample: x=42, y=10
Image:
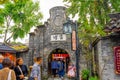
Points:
x=6, y=48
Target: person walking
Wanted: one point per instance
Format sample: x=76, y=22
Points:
x=21, y=70
x=36, y=71
x=31, y=66
x=61, y=70
x=71, y=70
x=6, y=73
x=54, y=67
x=1, y=59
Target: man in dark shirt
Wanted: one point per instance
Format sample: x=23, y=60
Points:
x=54, y=67
x=1, y=59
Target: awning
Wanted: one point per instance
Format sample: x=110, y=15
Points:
x=6, y=48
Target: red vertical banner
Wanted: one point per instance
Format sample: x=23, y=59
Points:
x=73, y=40
x=117, y=59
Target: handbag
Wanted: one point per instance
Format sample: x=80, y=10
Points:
x=25, y=78
x=9, y=75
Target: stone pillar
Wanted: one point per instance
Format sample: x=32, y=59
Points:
x=40, y=39
x=42, y=46
x=31, y=48
x=37, y=43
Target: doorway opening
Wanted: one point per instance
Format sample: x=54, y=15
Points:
x=58, y=54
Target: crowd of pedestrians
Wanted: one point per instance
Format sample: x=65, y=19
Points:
x=58, y=69
x=18, y=71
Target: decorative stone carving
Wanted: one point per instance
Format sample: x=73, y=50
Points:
x=57, y=17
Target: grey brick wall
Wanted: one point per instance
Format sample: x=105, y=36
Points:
x=106, y=57
x=40, y=44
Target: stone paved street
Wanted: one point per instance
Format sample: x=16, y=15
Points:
x=57, y=78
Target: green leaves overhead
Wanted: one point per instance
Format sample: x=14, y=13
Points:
x=19, y=17
x=3, y=1
x=93, y=15
x=19, y=32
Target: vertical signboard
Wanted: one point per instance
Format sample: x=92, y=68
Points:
x=73, y=40
x=117, y=59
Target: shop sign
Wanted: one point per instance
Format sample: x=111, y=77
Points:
x=73, y=40
x=60, y=55
x=58, y=37
x=117, y=59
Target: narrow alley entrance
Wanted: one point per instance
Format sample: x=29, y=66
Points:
x=58, y=54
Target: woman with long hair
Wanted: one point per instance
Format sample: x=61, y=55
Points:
x=21, y=70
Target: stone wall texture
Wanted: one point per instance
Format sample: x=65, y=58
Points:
x=105, y=57
x=40, y=43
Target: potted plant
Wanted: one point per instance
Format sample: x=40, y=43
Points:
x=85, y=74
x=93, y=78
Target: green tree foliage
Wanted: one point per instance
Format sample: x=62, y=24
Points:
x=18, y=17
x=4, y=1
x=93, y=78
x=93, y=15
x=85, y=74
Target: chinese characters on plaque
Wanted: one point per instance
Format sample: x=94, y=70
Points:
x=117, y=59
x=58, y=37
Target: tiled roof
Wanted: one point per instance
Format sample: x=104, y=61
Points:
x=20, y=47
x=114, y=24
x=6, y=48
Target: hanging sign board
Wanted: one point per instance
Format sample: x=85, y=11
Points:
x=117, y=59
x=60, y=55
x=73, y=40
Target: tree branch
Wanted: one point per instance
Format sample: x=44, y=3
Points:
x=8, y=20
x=9, y=37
